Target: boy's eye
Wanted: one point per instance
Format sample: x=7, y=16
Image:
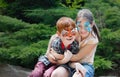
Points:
x=67, y=33
x=73, y=31
x=64, y=33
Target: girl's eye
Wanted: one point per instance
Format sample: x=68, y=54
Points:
x=78, y=25
x=87, y=26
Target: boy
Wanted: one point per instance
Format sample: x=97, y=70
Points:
x=63, y=43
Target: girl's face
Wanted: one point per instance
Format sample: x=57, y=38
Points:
x=68, y=35
x=84, y=27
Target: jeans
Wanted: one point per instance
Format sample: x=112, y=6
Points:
x=90, y=70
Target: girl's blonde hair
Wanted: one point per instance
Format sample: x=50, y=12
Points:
x=63, y=23
x=87, y=14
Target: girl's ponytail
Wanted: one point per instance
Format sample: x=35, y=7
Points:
x=96, y=31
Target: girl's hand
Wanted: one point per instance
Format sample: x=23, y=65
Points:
x=80, y=69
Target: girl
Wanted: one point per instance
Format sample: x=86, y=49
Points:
x=88, y=37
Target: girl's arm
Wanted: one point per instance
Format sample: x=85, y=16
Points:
x=83, y=52
x=64, y=59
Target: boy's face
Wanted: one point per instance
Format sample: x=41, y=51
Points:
x=68, y=35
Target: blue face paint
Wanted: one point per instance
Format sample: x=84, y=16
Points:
x=77, y=25
x=87, y=26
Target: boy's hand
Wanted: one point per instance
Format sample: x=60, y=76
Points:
x=56, y=55
x=68, y=55
x=51, y=58
x=50, y=55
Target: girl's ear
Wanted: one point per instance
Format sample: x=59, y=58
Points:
x=58, y=33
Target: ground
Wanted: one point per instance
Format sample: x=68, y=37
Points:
x=7, y=70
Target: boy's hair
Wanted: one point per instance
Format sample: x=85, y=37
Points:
x=64, y=23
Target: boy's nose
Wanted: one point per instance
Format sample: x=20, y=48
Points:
x=69, y=34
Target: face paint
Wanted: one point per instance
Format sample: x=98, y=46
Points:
x=68, y=33
x=87, y=26
x=77, y=25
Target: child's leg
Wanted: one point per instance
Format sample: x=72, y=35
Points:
x=77, y=75
x=49, y=71
x=38, y=70
x=89, y=72
x=80, y=70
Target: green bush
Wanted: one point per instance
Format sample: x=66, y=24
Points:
x=112, y=17
x=4, y=55
x=8, y=24
x=34, y=33
x=10, y=55
x=15, y=7
x=106, y=13
x=109, y=44
x=8, y=42
x=108, y=49
x=23, y=45
x=22, y=55
x=29, y=55
x=102, y=64
x=49, y=16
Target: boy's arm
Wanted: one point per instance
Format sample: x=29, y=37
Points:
x=52, y=55
x=48, y=54
x=56, y=55
x=50, y=41
x=67, y=57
